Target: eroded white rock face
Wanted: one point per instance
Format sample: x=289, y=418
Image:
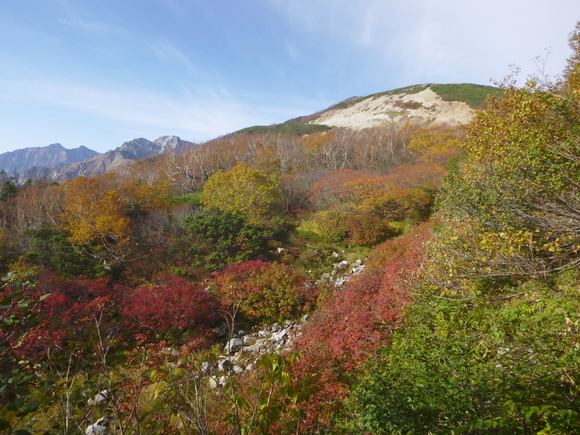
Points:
x=423, y=107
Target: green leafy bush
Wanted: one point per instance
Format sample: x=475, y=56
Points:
x=217, y=238
x=480, y=368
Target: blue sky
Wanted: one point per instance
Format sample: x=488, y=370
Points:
x=98, y=73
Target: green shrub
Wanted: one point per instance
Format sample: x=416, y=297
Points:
x=217, y=238
x=481, y=368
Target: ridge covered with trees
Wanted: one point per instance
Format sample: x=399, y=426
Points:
x=120, y=291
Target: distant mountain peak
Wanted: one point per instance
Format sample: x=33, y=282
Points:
x=128, y=152
x=53, y=156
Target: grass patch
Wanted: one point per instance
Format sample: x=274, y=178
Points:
x=287, y=128
x=409, y=90
x=473, y=95
x=349, y=102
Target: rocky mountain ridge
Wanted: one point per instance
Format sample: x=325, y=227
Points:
x=54, y=156
x=96, y=163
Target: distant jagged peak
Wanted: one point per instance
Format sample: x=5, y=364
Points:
x=138, y=142
x=168, y=141
x=172, y=144
x=140, y=148
x=52, y=146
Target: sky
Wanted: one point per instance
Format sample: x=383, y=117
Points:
x=99, y=73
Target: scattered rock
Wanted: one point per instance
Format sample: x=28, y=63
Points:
x=249, y=340
x=280, y=335
x=100, y=427
x=225, y=365
x=234, y=345
x=221, y=330
x=207, y=367
x=99, y=398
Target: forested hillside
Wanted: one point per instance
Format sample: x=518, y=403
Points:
x=401, y=279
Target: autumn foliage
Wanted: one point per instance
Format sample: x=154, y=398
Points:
x=360, y=318
x=263, y=291
x=94, y=213
x=73, y=313
x=241, y=190
x=404, y=192
x=142, y=265
x=170, y=308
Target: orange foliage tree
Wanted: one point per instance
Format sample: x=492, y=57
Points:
x=96, y=217
x=404, y=192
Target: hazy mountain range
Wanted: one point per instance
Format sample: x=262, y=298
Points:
x=54, y=156
x=420, y=104
x=57, y=163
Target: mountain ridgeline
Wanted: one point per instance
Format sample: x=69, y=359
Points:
x=427, y=104
x=53, y=156
x=56, y=163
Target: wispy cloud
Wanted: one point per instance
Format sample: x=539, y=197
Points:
x=97, y=28
x=199, y=114
x=166, y=51
x=291, y=51
x=436, y=39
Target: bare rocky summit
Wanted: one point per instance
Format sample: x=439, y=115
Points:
x=423, y=107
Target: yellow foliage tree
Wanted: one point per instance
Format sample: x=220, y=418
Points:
x=242, y=190
x=147, y=196
x=436, y=143
x=93, y=215
x=511, y=209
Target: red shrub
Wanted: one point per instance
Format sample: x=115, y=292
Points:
x=263, y=291
x=170, y=307
x=351, y=326
x=73, y=313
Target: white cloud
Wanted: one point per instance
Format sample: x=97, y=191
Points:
x=202, y=114
x=422, y=39
x=95, y=27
